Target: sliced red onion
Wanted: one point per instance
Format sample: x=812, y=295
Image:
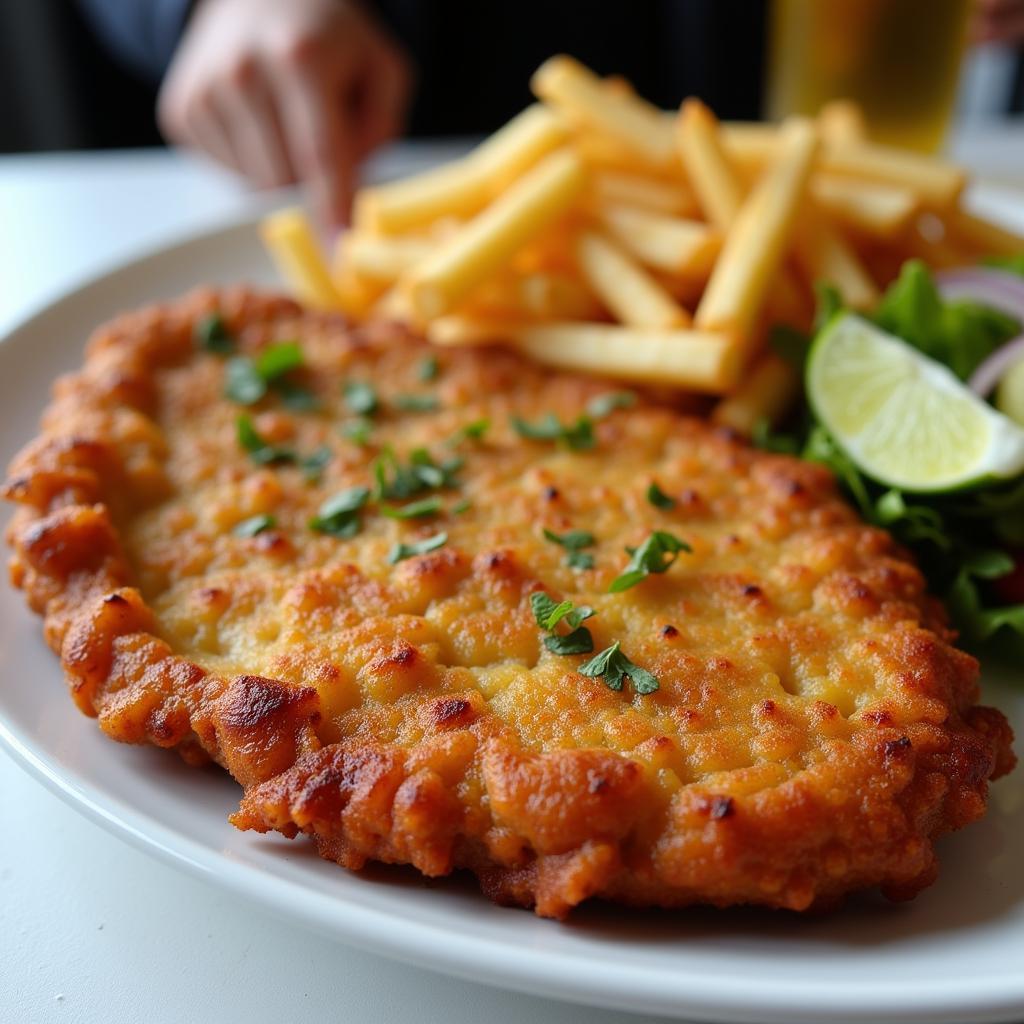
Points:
x=997, y=288
x=985, y=378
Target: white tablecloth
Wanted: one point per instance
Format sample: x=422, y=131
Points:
x=92, y=930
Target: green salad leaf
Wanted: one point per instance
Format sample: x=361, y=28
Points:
x=959, y=333
x=960, y=540
x=1013, y=264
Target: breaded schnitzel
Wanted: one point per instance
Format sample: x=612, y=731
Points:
x=345, y=584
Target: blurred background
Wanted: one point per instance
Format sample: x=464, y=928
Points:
x=85, y=74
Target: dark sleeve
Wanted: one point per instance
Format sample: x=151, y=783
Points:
x=143, y=34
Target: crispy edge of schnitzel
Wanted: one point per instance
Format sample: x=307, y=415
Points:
x=560, y=821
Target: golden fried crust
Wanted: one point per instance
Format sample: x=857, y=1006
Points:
x=813, y=733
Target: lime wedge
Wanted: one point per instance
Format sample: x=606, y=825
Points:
x=1010, y=393
x=903, y=418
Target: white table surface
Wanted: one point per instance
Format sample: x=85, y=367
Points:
x=92, y=930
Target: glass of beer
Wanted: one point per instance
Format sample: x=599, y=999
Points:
x=899, y=59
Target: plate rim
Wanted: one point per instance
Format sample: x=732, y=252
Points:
x=949, y=1001
x=629, y=987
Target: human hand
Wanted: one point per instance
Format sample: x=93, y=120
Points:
x=998, y=21
x=285, y=92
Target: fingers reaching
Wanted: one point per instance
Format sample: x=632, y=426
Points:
x=291, y=92
x=249, y=109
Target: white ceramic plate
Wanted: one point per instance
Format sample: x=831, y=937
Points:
x=954, y=955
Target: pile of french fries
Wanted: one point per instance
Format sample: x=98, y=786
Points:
x=598, y=233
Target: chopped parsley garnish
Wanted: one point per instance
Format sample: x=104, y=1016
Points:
x=248, y=380
x=416, y=403
x=339, y=515
x=577, y=437
x=579, y=641
x=212, y=335
x=313, y=465
x=400, y=552
x=428, y=368
x=396, y=481
x=655, y=555
x=460, y=506
x=612, y=666
x=604, y=405
x=414, y=510
x=265, y=454
x=658, y=498
x=573, y=541
x=277, y=360
x=253, y=525
x=549, y=614
x=361, y=398
x=470, y=432
x=357, y=431
x=296, y=397
x=262, y=451
x=242, y=382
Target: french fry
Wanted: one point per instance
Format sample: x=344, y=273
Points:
x=719, y=190
x=457, y=189
x=755, y=246
x=935, y=182
x=766, y=394
x=670, y=244
x=928, y=240
x=619, y=84
x=533, y=296
x=488, y=241
x=358, y=295
x=570, y=87
x=632, y=295
x=594, y=205
x=612, y=187
x=987, y=238
x=842, y=121
x=824, y=255
x=870, y=208
x=381, y=257
x=751, y=145
x=685, y=290
x=393, y=304
x=701, y=360
x=558, y=297
x=462, y=188
x=292, y=244
x=457, y=330
x=601, y=153
x=520, y=144
x=552, y=252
